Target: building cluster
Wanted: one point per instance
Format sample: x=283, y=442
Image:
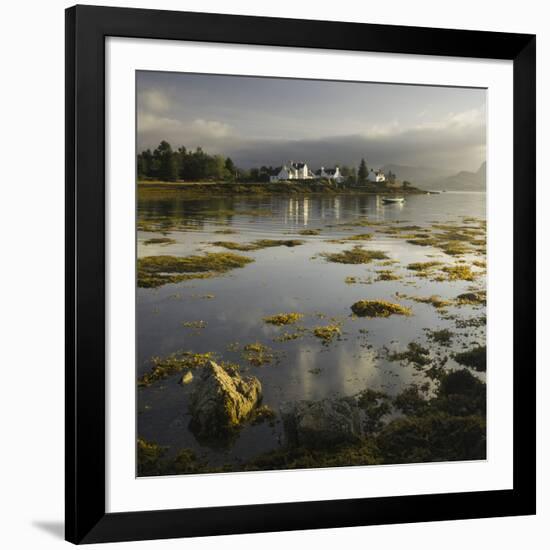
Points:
x=300, y=171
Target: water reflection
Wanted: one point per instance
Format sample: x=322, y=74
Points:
x=285, y=279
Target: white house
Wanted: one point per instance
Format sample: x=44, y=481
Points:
x=293, y=171
x=376, y=176
x=300, y=171
x=330, y=174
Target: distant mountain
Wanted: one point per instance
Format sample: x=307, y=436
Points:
x=427, y=177
x=420, y=176
x=463, y=181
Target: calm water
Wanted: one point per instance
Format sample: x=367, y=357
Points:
x=294, y=279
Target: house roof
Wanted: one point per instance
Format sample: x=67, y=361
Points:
x=297, y=165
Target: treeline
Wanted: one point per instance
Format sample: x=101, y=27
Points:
x=167, y=164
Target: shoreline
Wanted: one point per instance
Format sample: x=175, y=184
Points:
x=259, y=189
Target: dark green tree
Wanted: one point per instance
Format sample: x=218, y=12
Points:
x=182, y=158
x=231, y=168
x=144, y=163
x=363, y=171
x=165, y=162
x=196, y=166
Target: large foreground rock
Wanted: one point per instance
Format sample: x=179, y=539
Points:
x=221, y=400
x=322, y=423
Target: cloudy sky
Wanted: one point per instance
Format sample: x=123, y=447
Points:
x=268, y=121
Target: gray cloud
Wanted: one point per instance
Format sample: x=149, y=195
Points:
x=196, y=133
x=269, y=121
x=422, y=146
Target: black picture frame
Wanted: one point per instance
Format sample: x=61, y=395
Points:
x=86, y=30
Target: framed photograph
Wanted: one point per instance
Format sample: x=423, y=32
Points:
x=300, y=274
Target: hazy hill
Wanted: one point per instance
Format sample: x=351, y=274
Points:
x=464, y=181
x=437, y=179
x=420, y=176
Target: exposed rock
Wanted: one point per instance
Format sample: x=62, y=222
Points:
x=322, y=423
x=378, y=308
x=222, y=400
x=187, y=378
x=472, y=298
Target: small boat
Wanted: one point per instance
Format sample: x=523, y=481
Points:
x=391, y=200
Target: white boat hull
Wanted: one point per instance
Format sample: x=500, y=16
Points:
x=390, y=201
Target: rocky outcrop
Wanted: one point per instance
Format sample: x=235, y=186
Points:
x=221, y=400
x=322, y=423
